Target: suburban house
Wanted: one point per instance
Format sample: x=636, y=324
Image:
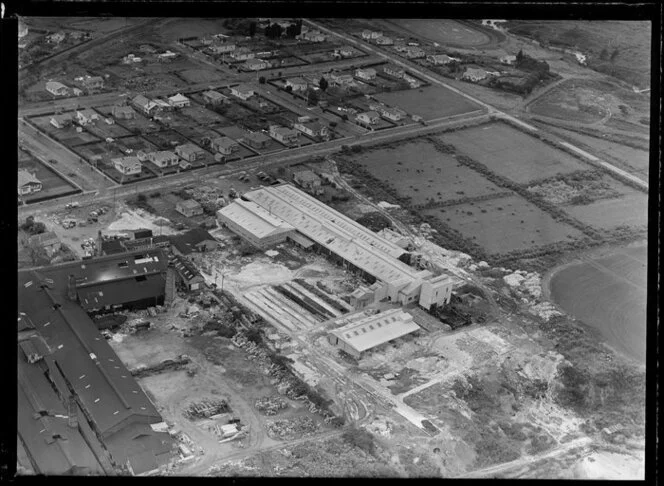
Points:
x=84, y=117
x=56, y=88
x=124, y=112
x=439, y=59
x=394, y=71
x=190, y=152
x=186, y=272
x=255, y=64
x=368, y=117
x=189, y=208
x=297, y=84
x=222, y=48
x=166, y=56
x=308, y=180
x=225, y=145
x=127, y=165
x=242, y=91
x=77, y=91
x=394, y=114
x=256, y=140
x=61, y=121
x=143, y=104
x=48, y=241
x=92, y=83
x=384, y=40
x=343, y=52
x=312, y=128
x=55, y=38
x=130, y=59
x=339, y=79
x=179, y=101
x=508, y=59
x=194, y=240
x=163, y=105
x=415, y=53
x=163, y=158
x=283, y=134
x=28, y=183
x=475, y=74
x=367, y=74
x=368, y=34
x=214, y=97
x=242, y=54
x=313, y=36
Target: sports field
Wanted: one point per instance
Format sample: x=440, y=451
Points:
x=431, y=102
x=505, y=224
x=418, y=170
x=512, y=153
x=444, y=31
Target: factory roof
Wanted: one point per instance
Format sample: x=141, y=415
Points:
x=372, y=331
x=254, y=218
x=184, y=267
x=186, y=242
x=336, y=232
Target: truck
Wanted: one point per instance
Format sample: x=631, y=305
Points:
x=73, y=204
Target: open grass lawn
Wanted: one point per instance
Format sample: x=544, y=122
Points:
x=139, y=123
x=631, y=210
x=443, y=31
x=68, y=136
x=420, y=171
x=512, y=153
x=431, y=102
x=505, y=224
x=138, y=143
x=166, y=139
x=53, y=185
x=196, y=76
x=200, y=115
x=103, y=130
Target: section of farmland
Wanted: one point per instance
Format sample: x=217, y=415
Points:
x=504, y=225
x=630, y=210
x=430, y=103
x=512, y=153
x=418, y=170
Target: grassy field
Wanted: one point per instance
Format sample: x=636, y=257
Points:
x=443, y=31
x=420, y=171
x=511, y=153
x=609, y=294
x=631, y=210
x=630, y=39
x=192, y=27
x=505, y=224
x=53, y=185
x=430, y=103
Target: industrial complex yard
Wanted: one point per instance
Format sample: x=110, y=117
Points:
x=313, y=248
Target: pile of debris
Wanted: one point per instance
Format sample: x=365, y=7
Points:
x=529, y=283
x=289, y=429
x=545, y=311
x=166, y=365
x=270, y=405
x=206, y=408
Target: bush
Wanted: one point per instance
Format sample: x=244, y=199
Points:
x=254, y=335
x=361, y=439
x=141, y=198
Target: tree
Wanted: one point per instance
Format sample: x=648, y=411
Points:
x=323, y=84
x=614, y=55
x=291, y=31
x=604, y=55
x=261, y=80
x=289, y=89
x=252, y=29
x=519, y=56
x=312, y=97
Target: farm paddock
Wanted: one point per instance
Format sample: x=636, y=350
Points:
x=630, y=210
x=417, y=169
x=431, y=102
x=512, y=153
x=505, y=224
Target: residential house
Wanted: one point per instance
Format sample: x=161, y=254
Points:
x=28, y=183
x=124, y=112
x=61, y=121
x=508, y=59
x=394, y=71
x=368, y=117
x=162, y=105
x=297, y=84
x=77, y=91
x=414, y=53
x=308, y=180
x=194, y=240
x=214, y=97
x=368, y=34
x=313, y=36
x=475, y=74
x=242, y=54
x=343, y=52
x=179, y=101
x=55, y=38
x=56, y=88
x=127, y=165
x=394, y=114
x=163, y=158
x=190, y=152
x=225, y=145
x=93, y=83
x=384, y=40
x=366, y=74
x=87, y=116
x=339, y=79
x=130, y=59
x=255, y=65
x=242, y=91
x=144, y=105
x=312, y=128
x=439, y=59
x=283, y=134
x=166, y=56
x=189, y=208
x=256, y=140
x=223, y=48
x=48, y=241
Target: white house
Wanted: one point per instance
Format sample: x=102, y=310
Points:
x=61, y=121
x=225, y=145
x=394, y=71
x=312, y=128
x=475, y=75
x=242, y=54
x=341, y=79
x=283, y=134
x=366, y=74
x=163, y=158
x=394, y=114
x=508, y=59
x=28, y=183
x=127, y=165
x=384, y=40
x=297, y=84
x=56, y=88
x=214, y=97
x=84, y=117
x=255, y=65
x=368, y=117
x=222, y=48
x=439, y=59
x=179, y=101
x=242, y=91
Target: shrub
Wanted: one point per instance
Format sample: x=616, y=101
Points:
x=361, y=439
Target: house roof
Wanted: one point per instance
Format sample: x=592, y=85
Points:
x=178, y=98
x=441, y=57
x=243, y=88
x=141, y=100
x=369, y=71
x=370, y=114
x=188, y=204
x=65, y=117
x=187, y=242
x=253, y=218
x=130, y=162
x=25, y=177
x=283, y=130
x=306, y=176
x=372, y=331
x=257, y=137
x=225, y=142
x=296, y=81
x=189, y=148
x=44, y=239
x=163, y=155
x=476, y=71
x=214, y=95
x=53, y=85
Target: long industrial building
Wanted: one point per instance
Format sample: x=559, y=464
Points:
x=80, y=410
x=270, y=215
